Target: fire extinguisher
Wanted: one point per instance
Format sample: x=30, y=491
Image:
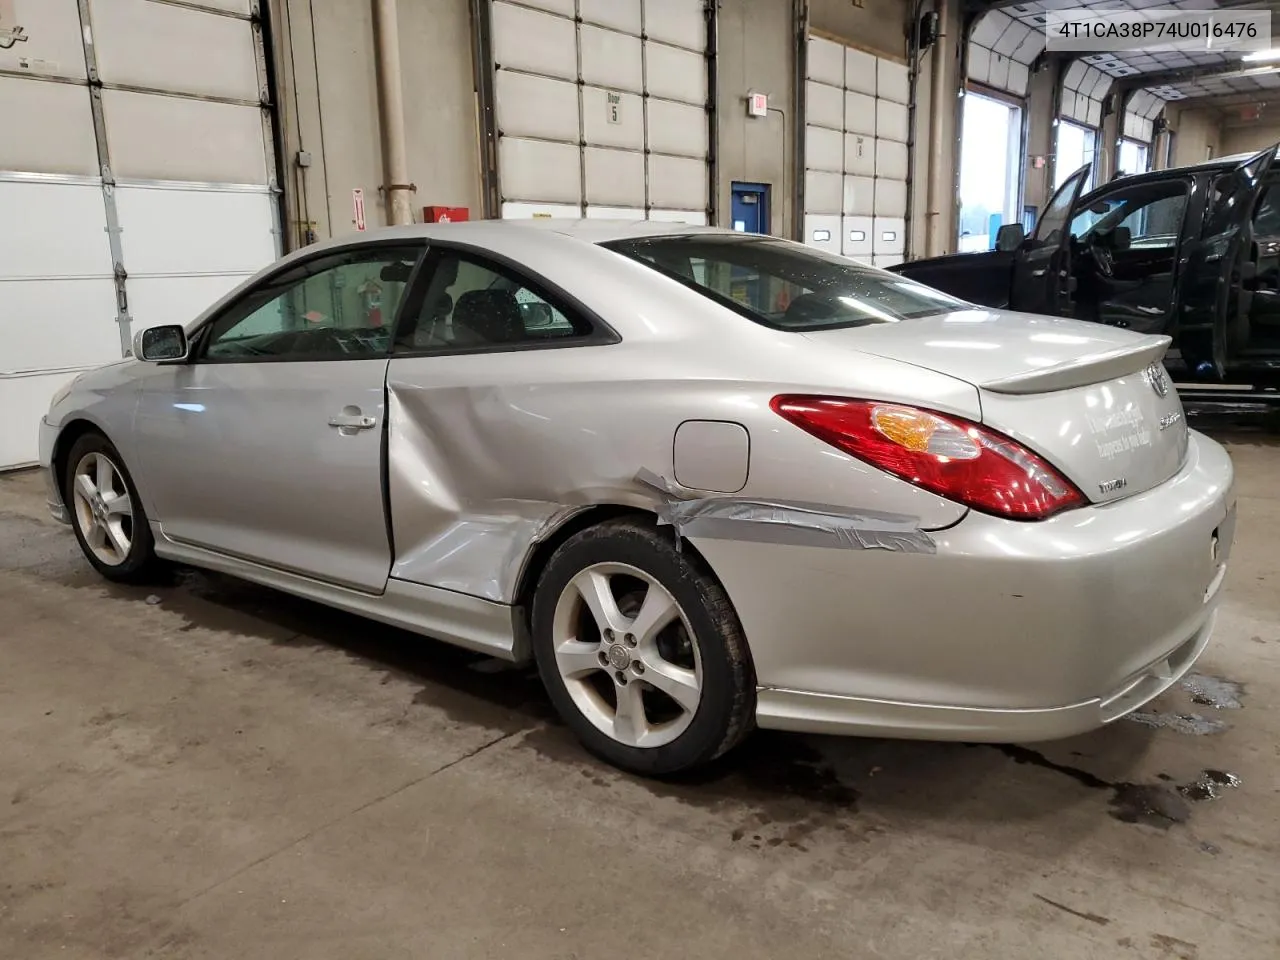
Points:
x=371, y=303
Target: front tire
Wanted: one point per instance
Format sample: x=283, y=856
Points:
x=106, y=512
x=641, y=651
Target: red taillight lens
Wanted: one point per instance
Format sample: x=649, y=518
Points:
x=946, y=455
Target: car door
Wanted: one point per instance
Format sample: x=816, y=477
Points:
x=1042, y=279
x=267, y=444
x=1216, y=294
x=1264, y=310
x=476, y=446
x=1126, y=239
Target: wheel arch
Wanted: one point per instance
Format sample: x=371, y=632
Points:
x=70, y=432
x=541, y=552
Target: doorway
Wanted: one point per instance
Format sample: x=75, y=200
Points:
x=750, y=207
x=990, y=160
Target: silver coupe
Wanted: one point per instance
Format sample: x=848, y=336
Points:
x=706, y=480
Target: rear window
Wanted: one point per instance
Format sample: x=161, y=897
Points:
x=786, y=285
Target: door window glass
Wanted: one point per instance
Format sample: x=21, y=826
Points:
x=334, y=307
x=1152, y=213
x=470, y=304
x=1049, y=229
x=1266, y=216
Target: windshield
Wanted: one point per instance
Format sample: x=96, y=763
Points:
x=787, y=285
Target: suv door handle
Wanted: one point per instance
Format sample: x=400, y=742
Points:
x=351, y=422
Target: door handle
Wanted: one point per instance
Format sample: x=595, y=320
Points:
x=351, y=422
x=1040, y=273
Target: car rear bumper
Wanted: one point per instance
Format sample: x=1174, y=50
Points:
x=1008, y=631
x=52, y=491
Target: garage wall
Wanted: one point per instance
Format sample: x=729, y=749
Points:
x=136, y=183
x=1037, y=184
x=1249, y=137
x=1199, y=135
x=604, y=115
x=327, y=73
x=756, y=53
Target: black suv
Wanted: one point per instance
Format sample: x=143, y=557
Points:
x=1192, y=252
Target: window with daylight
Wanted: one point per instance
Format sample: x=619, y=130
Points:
x=1075, y=147
x=990, y=161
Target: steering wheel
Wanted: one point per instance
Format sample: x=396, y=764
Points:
x=1103, y=258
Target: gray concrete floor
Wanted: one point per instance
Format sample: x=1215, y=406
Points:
x=210, y=769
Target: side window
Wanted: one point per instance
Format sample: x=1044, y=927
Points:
x=473, y=304
x=1151, y=212
x=1266, y=216
x=336, y=307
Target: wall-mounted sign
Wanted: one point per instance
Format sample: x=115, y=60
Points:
x=757, y=104
x=613, y=106
x=357, y=208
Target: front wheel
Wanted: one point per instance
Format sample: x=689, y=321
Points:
x=641, y=651
x=106, y=514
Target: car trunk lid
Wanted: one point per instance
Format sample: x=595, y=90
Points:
x=1093, y=400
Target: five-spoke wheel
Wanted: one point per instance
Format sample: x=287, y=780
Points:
x=640, y=649
x=106, y=513
x=103, y=508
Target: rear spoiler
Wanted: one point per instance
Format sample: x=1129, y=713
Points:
x=1092, y=368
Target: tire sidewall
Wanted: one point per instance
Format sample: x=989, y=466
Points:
x=141, y=548
x=698, y=595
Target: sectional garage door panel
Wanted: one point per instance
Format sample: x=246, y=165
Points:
x=180, y=208
x=56, y=124
x=607, y=111
x=162, y=47
x=153, y=137
x=856, y=154
x=529, y=106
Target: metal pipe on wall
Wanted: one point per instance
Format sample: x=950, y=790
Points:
x=391, y=93
x=913, y=92
x=938, y=94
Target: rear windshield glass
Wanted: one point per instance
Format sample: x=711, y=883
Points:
x=787, y=285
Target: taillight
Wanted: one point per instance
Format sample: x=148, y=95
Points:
x=946, y=455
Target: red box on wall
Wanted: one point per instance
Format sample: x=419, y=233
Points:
x=445, y=214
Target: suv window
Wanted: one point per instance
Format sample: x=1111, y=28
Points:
x=336, y=307
x=786, y=285
x=1152, y=213
x=474, y=304
x=1266, y=216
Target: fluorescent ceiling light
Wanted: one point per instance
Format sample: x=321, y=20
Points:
x=1273, y=54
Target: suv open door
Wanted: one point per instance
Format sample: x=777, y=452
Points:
x=1213, y=322
x=1042, y=279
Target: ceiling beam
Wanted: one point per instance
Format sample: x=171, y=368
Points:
x=1158, y=78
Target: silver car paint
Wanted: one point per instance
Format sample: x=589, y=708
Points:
x=913, y=631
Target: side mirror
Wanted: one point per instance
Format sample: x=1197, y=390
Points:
x=158, y=344
x=1121, y=238
x=1010, y=237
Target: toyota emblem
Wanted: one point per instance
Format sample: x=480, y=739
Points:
x=1159, y=380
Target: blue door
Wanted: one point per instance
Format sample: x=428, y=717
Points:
x=750, y=207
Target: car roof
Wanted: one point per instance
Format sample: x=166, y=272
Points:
x=594, y=231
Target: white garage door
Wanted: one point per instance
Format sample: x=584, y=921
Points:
x=601, y=108
x=163, y=102
x=855, y=184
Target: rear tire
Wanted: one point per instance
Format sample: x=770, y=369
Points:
x=641, y=651
x=106, y=512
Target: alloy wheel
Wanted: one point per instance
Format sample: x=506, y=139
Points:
x=104, y=510
x=627, y=655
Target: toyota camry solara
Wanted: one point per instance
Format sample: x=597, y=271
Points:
x=706, y=480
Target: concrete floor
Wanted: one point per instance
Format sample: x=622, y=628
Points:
x=209, y=769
